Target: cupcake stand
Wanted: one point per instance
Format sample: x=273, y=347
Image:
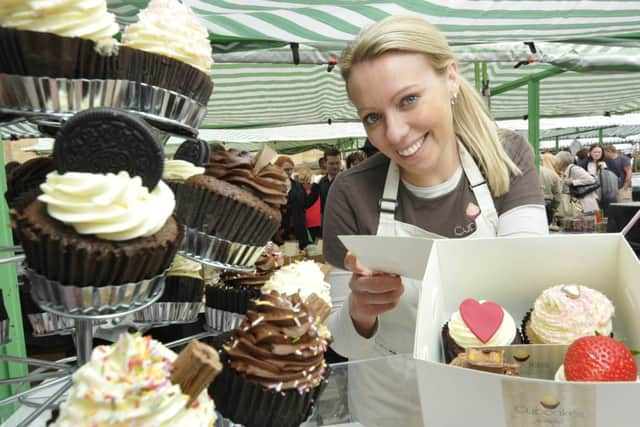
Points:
x=48, y=102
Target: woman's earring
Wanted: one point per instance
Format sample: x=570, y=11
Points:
x=454, y=97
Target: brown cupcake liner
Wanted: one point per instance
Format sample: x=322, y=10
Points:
x=174, y=312
x=219, y=253
x=223, y=217
x=89, y=300
x=31, y=53
x=222, y=320
x=182, y=289
x=252, y=405
x=452, y=349
x=235, y=299
x=75, y=262
x=61, y=97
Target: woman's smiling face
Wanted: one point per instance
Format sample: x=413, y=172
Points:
x=405, y=107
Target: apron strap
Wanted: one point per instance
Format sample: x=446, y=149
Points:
x=388, y=204
x=478, y=185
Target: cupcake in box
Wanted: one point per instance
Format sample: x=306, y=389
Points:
x=478, y=324
x=104, y=217
x=228, y=300
x=167, y=47
x=138, y=381
x=274, y=367
x=563, y=313
x=182, y=298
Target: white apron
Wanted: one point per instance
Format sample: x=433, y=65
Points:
x=396, y=400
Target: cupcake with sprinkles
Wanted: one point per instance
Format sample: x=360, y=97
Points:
x=274, y=368
x=139, y=382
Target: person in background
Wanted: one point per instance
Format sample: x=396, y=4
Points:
x=572, y=174
x=354, y=158
x=621, y=166
x=595, y=160
x=321, y=189
x=550, y=183
x=582, y=154
x=294, y=223
x=312, y=213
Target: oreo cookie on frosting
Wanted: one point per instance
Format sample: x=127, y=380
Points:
x=195, y=151
x=103, y=140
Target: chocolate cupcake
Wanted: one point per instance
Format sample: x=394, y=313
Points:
x=176, y=172
x=478, y=324
x=233, y=201
x=274, y=368
x=228, y=300
x=81, y=49
x=564, y=313
x=92, y=228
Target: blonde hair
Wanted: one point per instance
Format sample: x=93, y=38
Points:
x=548, y=160
x=472, y=122
x=305, y=175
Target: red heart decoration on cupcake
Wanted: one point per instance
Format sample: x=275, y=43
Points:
x=483, y=319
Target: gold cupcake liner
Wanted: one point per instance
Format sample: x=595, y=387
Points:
x=219, y=253
x=174, y=312
x=222, y=320
x=92, y=301
x=59, y=98
x=44, y=324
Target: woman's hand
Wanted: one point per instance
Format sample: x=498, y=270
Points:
x=602, y=165
x=568, y=181
x=372, y=293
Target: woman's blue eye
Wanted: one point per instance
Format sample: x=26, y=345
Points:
x=370, y=119
x=408, y=100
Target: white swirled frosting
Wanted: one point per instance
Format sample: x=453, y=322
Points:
x=304, y=277
x=464, y=337
x=180, y=170
x=169, y=28
x=113, y=207
x=560, y=318
x=128, y=384
x=87, y=19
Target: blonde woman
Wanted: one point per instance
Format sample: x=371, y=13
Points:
x=550, y=184
x=444, y=170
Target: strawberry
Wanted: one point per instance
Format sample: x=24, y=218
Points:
x=599, y=358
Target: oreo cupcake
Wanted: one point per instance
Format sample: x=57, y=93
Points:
x=104, y=217
x=564, y=313
x=478, y=324
x=187, y=162
x=181, y=300
x=274, y=367
x=228, y=300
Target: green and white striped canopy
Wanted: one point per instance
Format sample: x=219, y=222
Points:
x=256, y=83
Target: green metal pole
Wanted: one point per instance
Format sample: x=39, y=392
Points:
x=9, y=286
x=477, y=79
x=600, y=136
x=557, y=143
x=534, y=118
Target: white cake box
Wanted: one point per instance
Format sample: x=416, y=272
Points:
x=513, y=272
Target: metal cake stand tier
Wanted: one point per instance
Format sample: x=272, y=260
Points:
x=49, y=101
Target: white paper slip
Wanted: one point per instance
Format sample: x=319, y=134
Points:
x=405, y=256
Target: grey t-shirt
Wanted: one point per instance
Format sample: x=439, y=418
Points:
x=352, y=204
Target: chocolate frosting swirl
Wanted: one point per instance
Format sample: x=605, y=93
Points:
x=237, y=167
x=280, y=344
x=265, y=266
